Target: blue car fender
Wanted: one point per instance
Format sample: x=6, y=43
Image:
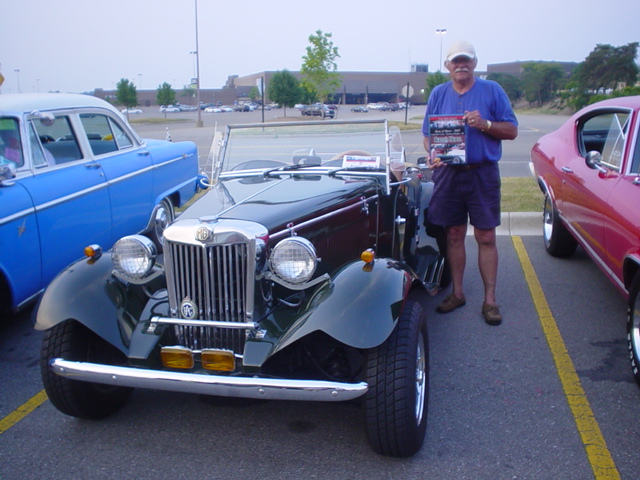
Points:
x=359, y=307
x=87, y=292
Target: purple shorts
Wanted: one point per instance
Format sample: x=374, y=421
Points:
x=461, y=195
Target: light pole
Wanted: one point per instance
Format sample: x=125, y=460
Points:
x=17, y=70
x=441, y=32
x=199, y=121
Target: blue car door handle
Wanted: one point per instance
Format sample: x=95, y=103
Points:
x=143, y=153
x=92, y=165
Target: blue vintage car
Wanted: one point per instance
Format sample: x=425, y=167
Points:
x=74, y=173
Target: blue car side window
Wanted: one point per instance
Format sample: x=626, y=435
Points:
x=39, y=156
x=60, y=139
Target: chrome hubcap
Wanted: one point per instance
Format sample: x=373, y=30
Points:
x=421, y=378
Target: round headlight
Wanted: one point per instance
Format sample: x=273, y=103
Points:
x=134, y=256
x=294, y=260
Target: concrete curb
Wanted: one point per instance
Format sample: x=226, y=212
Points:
x=518, y=223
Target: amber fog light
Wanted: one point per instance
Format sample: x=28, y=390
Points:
x=176, y=357
x=220, y=360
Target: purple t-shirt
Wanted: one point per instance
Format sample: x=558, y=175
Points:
x=489, y=99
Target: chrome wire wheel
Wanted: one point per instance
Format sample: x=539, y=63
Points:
x=422, y=378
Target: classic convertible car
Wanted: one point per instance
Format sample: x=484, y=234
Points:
x=296, y=276
x=589, y=172
x=73, y=172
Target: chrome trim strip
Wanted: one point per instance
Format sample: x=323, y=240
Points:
x=594, y=255
x=81, y=193
x=201, y=323
x=17, y=215
x=225, y=386
x=360, y=204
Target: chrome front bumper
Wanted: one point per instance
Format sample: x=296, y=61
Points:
x=224, y=386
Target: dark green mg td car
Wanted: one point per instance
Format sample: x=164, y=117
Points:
x=296, y=275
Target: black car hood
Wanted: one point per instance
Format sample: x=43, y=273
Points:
x=275, y=202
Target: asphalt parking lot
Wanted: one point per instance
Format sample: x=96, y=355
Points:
x=547, y=395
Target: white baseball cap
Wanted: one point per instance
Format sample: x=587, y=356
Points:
x=461, y=48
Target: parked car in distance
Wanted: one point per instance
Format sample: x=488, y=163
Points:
x=170, y=108
x=589, y=172
x=318, y=110
x=213, y=110
x=360, y=109
x=74, y=173
x=131, y=110
x=299, y=275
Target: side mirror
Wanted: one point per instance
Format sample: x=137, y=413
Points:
x=7, y=173
x=594, y=161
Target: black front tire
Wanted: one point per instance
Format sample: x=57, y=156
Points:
x=398, y=376
x=71, y=340
x=558, y=241
x=633, y=327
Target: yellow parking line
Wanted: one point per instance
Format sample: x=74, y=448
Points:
x=599, y=456
x=22, y=411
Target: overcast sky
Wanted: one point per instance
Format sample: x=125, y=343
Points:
x=79, y=45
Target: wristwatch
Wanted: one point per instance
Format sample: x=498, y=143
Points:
x=488, y=126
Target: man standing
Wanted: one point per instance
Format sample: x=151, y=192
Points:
x=470, y=192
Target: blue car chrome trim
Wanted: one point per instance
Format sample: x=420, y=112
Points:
x=81, y=193
x=17, y=215
x=206, y=384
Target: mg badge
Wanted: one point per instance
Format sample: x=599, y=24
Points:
x=189, y=309
x=202, y=234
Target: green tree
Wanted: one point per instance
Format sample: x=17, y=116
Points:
x=433, y=80
x=165, y=95
x=541, y=80
x=254, y=93
x=608, y=67
x=319, y=67
x=510, y=84
x=284, y=89
x=605, y=68
x=126, y=93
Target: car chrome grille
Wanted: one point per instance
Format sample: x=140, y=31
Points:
x=213, y=278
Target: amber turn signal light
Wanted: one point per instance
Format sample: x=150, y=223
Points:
x=368, y=255
x=93, y=251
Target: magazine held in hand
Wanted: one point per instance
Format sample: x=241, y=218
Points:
x=448, y=138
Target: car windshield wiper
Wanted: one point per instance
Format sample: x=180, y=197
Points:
x=287, y=168
x=340, y=170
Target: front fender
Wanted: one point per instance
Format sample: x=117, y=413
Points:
x=360, y=307
x=87, y=292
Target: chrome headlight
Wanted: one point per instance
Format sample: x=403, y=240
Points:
x=134, y=256
x=294, y=260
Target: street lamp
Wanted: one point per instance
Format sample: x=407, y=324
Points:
x=199, y=121
x=17, y=70
x=441, y=32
